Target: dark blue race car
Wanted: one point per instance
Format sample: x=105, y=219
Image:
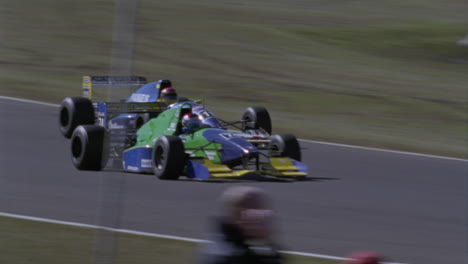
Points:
x=146, y=102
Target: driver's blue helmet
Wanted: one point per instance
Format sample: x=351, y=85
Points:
x=190, y=122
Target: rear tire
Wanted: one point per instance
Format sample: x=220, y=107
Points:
x=285, y=145
x=87, y=147
x=168, y=157
x=75, y=111
x=141, y=120
x=256, y=117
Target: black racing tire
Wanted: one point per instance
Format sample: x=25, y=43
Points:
x=285, y=145
x=256, y=117
x=168, y=157
x=75, y=111
x=87, y=147
x=141, y=120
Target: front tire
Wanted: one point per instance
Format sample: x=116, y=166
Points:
x=285, y=145
x=75, y=111
x=87, y=147
x=256, y=117
x=168, y=157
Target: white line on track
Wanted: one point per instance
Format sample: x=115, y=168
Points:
x=132, y=232
x=383, y=150
x=28, y=101
x=304, y=140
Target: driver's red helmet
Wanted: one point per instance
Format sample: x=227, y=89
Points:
x=169, y=94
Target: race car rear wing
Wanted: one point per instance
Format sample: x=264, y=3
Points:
x=91, y=82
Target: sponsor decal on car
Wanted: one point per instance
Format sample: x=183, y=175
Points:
x=210, y=154
x=140, y=97
x=146, y=163
x=132, y=168
x=227, y=135
x=115, y=125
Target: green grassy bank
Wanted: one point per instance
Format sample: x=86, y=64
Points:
x=374, y=73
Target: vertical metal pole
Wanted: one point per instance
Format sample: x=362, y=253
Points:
x=109, y=214
x=123, y=39
x=112, y=186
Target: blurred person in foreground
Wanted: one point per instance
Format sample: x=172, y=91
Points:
x=363, y=257
x=243, y=233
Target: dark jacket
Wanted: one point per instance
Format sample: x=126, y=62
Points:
x=228, y=246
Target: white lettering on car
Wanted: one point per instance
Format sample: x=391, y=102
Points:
x=210, y=154
x=140, y=97
x=146, y=163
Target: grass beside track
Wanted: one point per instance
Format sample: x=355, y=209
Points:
x=24, y=241
x=373, y=73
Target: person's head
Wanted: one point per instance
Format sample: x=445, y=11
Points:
x=169, y=95
x=190, y=122
x=247, y=208
x=363, y=257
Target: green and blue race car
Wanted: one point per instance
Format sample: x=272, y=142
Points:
x=243, y=149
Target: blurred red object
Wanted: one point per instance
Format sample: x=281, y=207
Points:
x=363, y=258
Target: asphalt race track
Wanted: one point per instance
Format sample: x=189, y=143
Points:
x=411, y=208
